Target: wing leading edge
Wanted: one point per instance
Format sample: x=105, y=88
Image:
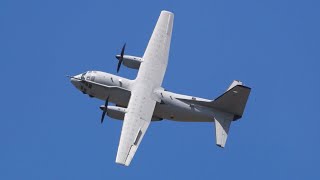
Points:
x=150, y=76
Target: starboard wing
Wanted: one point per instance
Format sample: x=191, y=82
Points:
x=135, y=124
x=150, y=76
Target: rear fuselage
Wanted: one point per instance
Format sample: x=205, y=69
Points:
x=167, y=107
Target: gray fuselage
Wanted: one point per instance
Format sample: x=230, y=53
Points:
x=167, y=107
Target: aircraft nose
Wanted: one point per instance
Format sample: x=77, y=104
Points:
x=74, y=80
x=118, y=56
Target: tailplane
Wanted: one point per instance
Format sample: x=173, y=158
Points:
x=222, y=124
x=227, y=108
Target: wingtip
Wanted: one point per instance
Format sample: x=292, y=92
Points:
x=122, y=163
x=221, y=146
x=166, y=12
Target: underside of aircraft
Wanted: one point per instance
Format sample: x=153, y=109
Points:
x=142, y=100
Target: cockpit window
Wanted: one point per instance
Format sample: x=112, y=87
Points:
x=82, y=75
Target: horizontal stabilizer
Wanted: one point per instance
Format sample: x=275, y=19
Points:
x=226, y=108
x=233, y=84
x=222, y=124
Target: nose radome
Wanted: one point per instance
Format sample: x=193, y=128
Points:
x=74, y=80
x=118, y=56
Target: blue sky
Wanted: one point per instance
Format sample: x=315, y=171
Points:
x=49, y=130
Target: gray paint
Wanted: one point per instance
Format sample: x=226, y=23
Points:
x=171, y=108
x=141, y=100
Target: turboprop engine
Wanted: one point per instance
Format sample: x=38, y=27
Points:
x=132, y=62
x=127, y=60
x=114, y=111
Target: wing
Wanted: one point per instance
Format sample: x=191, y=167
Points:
x=142, y=102
x=135, y=124
x=155, y=58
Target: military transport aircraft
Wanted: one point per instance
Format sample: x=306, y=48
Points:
x=142, y=100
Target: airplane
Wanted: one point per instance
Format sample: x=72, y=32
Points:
x=143, y=100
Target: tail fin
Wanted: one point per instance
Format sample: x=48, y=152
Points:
x=234, y=100
x=233, y=84
x=229, y=107
x=226, y=108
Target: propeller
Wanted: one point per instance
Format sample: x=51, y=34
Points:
x=104, y=109
x=121, y=57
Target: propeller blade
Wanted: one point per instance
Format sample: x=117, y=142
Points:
x=123, y=48
x=119, y=64
x=105, y=110
x=102, y=117
x=121, y=57
x=107, y=102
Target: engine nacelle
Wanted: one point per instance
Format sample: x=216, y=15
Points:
x=116, y=112
x=132, y=62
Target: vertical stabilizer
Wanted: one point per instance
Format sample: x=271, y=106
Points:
x=233, y=84
x=226, y=108
x=229, y=107
x=222, y=124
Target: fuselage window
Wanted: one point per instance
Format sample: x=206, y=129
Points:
x=120, y=82
x=88, y=77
